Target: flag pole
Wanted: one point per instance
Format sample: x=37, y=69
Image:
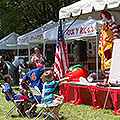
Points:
x=64, y=23
x=61, y=64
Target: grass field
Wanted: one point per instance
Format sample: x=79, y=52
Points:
x=67, y=111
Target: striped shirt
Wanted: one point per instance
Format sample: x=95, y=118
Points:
x=48, y=91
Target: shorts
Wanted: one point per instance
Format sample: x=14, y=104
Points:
x=58, y=100
x=37, y=97
x=22, y=97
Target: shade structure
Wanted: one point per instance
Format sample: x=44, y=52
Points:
x=92, y=8
x=10, y=42
x=37, y=35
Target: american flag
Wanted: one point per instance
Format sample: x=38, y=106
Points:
x=61, y=57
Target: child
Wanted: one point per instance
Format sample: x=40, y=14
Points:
x=33, y=76
x=10, y=95
x=48, y=91
x=23, y=87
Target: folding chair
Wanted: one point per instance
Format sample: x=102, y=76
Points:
x=46, y=110
x=16, y=106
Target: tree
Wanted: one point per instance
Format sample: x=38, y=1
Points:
x=23, y=16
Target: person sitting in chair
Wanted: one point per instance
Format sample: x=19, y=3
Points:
x=10, y=95
x=48, y=91
x=33, y=76
x=23, y=89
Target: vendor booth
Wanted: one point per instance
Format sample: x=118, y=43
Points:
x=8, y=50
x=90, y=93
x=82, y=30
x=9, y=43
x=82, y=36
x=36, y=37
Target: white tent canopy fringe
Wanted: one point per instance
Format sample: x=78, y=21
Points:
x=92, y=8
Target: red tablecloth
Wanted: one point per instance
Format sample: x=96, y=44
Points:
x=92, y=95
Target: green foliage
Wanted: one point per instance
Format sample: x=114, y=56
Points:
x=23, y=16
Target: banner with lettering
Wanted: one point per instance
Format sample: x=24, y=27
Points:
x=30, y=38
x=36, y=35
x=82, y=28
x=23, y=39
x=79, y=28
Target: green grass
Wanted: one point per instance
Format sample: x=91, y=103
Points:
x=67, y=111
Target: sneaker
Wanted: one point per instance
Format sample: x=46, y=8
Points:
x=28, y=113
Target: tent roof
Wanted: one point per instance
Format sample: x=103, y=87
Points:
x=80, y=29
x=92, y=8
x=50, y=32
x=10, y=42
x=37, y=35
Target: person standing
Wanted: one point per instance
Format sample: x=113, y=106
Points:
x=109, y=33
x=38, y=58
x=20, y=61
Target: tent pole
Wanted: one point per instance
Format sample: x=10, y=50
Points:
x=64, y=23
x=29, y=50
x=17, y=50
x=97, y=36
x=71, y=24
x=44, y=49
x=70, y=48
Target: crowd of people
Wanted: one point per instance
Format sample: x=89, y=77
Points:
x=36, y=76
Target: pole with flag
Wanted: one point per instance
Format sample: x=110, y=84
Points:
x=61, y=64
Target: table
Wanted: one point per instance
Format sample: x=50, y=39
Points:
x=91, y=95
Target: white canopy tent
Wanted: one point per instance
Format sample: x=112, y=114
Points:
x=10, y=42
x=93, y=8
x=48, y=33
x=84, y=8
x=36, y=36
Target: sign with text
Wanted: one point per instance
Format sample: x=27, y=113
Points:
x=82, y=28
x=35, y=37
x=22, y=39
x=114, y=76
